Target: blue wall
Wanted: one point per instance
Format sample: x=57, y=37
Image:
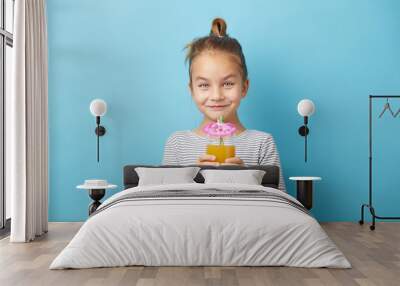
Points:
x=129, y=53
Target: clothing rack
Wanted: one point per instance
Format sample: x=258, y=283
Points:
x=369, y=205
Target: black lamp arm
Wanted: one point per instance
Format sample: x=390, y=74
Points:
x=303, y=131
x=100, y=131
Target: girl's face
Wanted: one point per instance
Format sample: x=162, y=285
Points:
x=217, y=85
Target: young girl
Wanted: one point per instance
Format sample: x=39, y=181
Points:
x=218, y=82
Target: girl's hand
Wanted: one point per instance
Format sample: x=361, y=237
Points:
x=233, y=161
x=207, y=159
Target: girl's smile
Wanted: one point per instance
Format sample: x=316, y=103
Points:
x=218, y=107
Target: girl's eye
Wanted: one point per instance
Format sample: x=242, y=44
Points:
x=203, y=85
x=229, y=84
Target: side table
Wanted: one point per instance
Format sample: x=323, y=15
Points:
x=97, y=190
x=305, y=190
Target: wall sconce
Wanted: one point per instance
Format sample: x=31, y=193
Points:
x=98, y=108
x=305, y=108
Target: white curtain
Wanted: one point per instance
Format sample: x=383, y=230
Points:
x=27, y=124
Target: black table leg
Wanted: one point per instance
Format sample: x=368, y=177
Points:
x=304, y=193
x=96, y=195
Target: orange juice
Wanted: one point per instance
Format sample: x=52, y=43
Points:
x=221, y=152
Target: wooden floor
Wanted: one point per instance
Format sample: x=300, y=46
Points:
x=374, y=255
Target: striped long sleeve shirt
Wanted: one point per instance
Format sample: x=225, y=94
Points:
x=252, y=146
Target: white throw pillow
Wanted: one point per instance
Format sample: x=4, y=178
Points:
x=163, y=176
x=249, y=177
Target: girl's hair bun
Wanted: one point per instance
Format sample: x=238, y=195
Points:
x=218, y=40
x=218, y=28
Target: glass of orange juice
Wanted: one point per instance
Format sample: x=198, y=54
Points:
x=221, y=152
x=219, y=134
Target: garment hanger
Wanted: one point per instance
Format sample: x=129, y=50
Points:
x=386, y=107
x=397, y=113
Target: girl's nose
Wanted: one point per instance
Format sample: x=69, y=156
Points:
x=217, y=95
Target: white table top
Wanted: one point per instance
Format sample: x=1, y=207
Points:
x=85, y=187
x=305, y=178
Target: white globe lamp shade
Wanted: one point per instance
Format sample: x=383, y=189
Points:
x=98, y=107
x=305, y=107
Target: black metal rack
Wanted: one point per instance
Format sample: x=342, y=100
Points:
x=369, y=205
